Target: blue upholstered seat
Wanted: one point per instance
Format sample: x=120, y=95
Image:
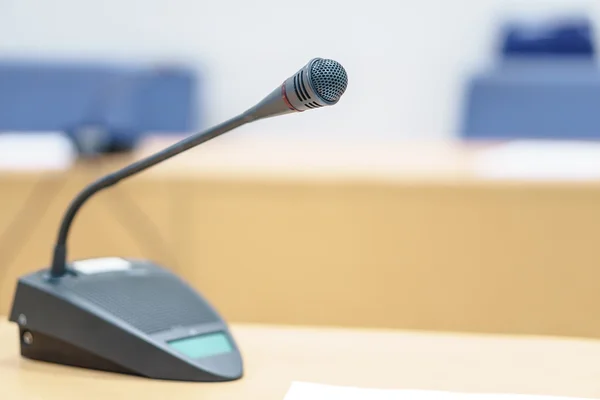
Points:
x=56, y=96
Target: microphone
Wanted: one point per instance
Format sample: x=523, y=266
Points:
x=320, y=83
x=105, y=314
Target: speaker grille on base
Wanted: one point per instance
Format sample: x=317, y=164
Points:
x=151, y=303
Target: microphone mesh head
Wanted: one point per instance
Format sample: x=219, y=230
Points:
x=329, y=79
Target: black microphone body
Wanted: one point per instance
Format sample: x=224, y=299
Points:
x=320, y=83
x=133, y=316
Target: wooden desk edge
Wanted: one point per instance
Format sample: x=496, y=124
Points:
x=276, y=356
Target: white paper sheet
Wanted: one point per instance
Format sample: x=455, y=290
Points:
x=313, y=391
x=540, y=159
x=35, y=151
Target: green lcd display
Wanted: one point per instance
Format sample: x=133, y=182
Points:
x=202, y=346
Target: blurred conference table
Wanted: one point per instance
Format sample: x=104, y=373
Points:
x=276, y=356
x=444, y=236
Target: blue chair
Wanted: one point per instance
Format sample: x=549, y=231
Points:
x=546, y=85
x=126, y=101
x=565, y=37
x=528, y=100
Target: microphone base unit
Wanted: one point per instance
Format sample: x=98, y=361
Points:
x=124, y=316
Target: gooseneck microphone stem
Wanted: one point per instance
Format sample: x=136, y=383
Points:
x=319, y=83
x=59, y=261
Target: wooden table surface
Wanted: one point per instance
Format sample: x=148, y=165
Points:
x=277, y=355
x=281, y=231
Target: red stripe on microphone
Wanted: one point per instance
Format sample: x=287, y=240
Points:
x=285, y=98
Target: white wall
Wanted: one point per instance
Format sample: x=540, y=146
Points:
x=405, y=58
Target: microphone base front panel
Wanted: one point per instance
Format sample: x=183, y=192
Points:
x=141, y=320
